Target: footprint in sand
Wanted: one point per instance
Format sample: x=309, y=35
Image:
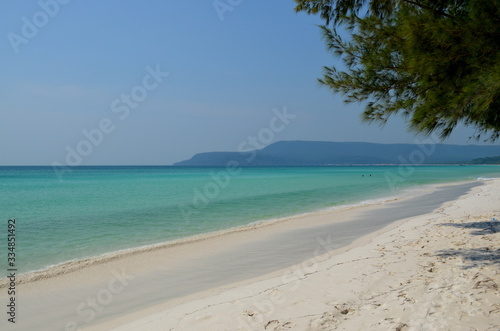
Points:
x=275, y=325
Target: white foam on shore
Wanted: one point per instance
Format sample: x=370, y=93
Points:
x=485, y=178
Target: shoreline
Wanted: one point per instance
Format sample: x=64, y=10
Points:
x=414, y=274
x=124, y=229
x=77, y=264
x=184, y=271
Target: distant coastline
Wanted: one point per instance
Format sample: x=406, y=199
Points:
x=323, y=153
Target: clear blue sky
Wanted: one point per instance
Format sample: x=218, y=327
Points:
x=67, y=68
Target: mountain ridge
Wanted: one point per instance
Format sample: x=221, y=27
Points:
x=318, y=153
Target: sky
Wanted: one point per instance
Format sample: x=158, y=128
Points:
x=154, y=82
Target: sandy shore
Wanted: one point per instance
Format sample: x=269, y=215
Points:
x=438, y=271
x=427, y=261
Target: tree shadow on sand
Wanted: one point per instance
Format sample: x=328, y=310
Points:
x=475, y=257
x=481, y=228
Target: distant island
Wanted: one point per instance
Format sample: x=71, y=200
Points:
x=322, y=153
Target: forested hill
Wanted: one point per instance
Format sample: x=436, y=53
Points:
x=487, y=160
x=317, y=153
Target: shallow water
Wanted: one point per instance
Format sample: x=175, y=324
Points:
x=95, y=210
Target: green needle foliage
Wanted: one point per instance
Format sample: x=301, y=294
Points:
x=436, y=62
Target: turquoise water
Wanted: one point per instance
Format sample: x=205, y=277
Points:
x=95, y=210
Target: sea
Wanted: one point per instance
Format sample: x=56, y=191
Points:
x=92, y=211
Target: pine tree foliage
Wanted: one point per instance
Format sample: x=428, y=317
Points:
x=436, y=62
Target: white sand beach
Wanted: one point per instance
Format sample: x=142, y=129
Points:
x=438, y=271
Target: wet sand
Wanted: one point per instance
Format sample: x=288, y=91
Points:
x=154, y=284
